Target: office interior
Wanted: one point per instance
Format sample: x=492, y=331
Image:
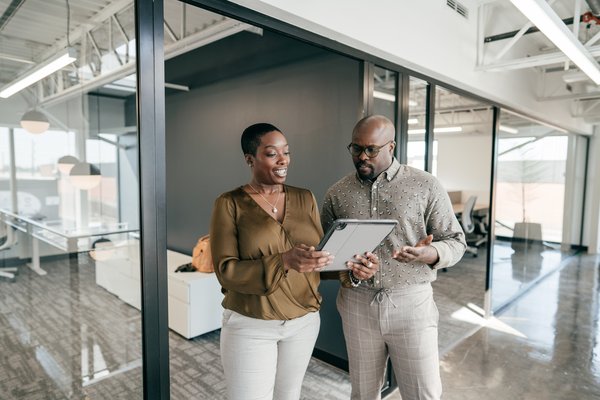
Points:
x=110, y=164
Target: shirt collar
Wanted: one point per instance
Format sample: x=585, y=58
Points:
x=389, y=173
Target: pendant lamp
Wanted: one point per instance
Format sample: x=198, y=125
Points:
x=65, y=163
x=85, y=176
x=34, y=121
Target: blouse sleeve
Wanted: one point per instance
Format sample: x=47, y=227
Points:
x=314, y=214
x=258, y=277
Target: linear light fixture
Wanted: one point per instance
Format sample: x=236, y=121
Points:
x=508, y=129
x=449, y=129
x=48, y=67
x=413, y=121
x=390, y=97
x=544, y=17
x=383, y=96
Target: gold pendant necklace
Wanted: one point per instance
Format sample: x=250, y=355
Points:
x=273, y=206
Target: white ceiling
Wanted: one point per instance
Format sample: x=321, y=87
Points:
x=100, y=30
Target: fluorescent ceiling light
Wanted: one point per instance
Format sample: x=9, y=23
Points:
x=542, y=15
x=40, y=72
x=574, y=76
x=413, y=121
x=384, y=96
x=508, y=129
x=449, y=129
x=390, y=97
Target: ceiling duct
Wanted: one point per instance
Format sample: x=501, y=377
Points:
x=594, y=6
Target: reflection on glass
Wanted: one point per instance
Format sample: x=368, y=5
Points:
x=532, y=168
x=462, y=162
x=66, y=190
x=384, y=93
x=417, y=103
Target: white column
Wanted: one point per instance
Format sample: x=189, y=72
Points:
x=593, y=199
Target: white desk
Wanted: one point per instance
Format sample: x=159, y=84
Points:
x=194, y=297
x=61, y=234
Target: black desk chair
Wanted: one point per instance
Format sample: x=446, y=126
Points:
x=7, y=240
x=473, y=237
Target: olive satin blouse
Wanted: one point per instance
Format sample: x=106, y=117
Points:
x=246, y=245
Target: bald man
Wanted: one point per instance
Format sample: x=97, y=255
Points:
x=393, y=313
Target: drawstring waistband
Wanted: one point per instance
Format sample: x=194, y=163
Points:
x=381, y=294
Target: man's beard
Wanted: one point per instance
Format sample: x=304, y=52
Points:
x=365, y=175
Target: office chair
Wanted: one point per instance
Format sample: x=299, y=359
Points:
x=7, y=240
x=474, y=240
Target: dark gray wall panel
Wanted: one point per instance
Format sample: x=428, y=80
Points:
x=313, y=102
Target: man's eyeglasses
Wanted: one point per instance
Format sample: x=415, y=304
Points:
x=370, y=151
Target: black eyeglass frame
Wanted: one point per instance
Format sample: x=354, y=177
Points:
x=371, y=151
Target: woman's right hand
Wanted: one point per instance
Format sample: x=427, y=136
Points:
x=305, y=258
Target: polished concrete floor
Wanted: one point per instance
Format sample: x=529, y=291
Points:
x=545, y=346
x=63, y=337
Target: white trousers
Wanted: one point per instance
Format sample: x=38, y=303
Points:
x=266, y=359
x=400, y=324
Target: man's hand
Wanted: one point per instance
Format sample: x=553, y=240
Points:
x=420, y=252
x=365, y=266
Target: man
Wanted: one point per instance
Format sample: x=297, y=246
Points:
x=393, y=313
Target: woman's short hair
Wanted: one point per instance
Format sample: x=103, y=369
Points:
x=252, y=135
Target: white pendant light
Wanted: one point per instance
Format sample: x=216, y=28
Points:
x=85, y=176
x=34, y=121
x=65, y=163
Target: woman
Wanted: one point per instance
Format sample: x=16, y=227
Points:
x=262, y=241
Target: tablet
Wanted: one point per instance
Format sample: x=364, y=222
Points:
x=348, y=237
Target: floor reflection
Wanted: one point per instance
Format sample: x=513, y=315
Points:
x=61, y=334
x=454, y=290
x=518, y=267
x=556, y=358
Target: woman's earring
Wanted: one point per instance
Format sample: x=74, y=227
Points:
x=250, y=165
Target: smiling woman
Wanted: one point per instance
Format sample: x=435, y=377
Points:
x=262, y=240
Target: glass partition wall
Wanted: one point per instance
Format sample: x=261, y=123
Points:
x=533, y=227
x=462, y=160
x=417, y=118
x=69, y=253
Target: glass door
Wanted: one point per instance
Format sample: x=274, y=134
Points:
x=531, y=195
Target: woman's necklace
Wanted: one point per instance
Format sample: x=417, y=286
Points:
x=273, y=206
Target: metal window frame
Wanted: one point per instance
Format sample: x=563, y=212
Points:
x=152, y=190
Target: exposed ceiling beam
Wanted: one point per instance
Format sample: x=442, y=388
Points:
x=532, y=29
x=15, y=59
x=10, y=12
x=533, y=61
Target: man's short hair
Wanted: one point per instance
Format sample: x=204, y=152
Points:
x=252, y=135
